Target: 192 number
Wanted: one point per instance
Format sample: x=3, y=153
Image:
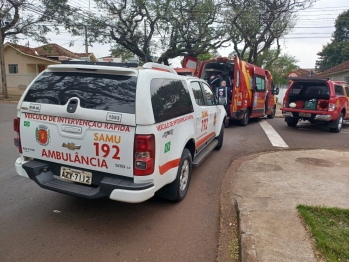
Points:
x=204, y=124
x=105, y=148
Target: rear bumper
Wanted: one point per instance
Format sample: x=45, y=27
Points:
x=323, y=117
x=318, y=117
x=113, y=187
x=238, y=115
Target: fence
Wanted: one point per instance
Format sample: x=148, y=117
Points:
x=19, y=81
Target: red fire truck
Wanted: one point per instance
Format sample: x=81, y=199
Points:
x=253, y=91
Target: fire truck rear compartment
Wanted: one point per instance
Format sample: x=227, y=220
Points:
x=311, y=96
x=216, y=67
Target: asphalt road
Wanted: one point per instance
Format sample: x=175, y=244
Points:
x=40, y=225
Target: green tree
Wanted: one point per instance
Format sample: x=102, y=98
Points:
x=256, y=25
x=204, y=57
x=170, y=28
x=120, y=51
x=337, y=51
x=281, y=67
x=33, y=19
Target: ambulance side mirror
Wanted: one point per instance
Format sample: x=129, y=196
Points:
x=275, y=91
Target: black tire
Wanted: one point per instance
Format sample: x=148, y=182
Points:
x=272, y=115
x=245, y=119
x=293, y=123
x=339, y=123
x=177, y=190
x=220, y=138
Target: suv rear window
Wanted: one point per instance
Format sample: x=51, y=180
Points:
x=115, y=93
x=309, y=88
x=170, y=99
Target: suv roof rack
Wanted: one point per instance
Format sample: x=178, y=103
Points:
x=307, y=79
x=99, y=63
x=161, y=67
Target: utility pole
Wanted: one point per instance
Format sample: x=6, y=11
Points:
x=86, y=44
x=2, y=64
x=145, y=39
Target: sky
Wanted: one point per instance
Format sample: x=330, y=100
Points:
x=313, y=29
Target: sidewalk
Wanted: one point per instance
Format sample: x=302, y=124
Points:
x=278, y=112
x=267, y=190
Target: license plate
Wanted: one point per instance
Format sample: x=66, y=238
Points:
x=76, y=175
x=305, y=114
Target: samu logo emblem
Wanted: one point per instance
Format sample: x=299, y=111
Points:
x=42, y=134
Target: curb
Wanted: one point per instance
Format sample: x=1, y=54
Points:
x=8, y=102
x=247, y=243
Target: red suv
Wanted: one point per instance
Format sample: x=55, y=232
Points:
x=315, y=100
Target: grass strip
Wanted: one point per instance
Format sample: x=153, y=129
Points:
x=330, y=229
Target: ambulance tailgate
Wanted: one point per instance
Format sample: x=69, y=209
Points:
x=98, y=135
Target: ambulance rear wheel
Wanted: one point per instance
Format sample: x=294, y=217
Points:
x=183, y=175
x=245, y=119
x=177, y=190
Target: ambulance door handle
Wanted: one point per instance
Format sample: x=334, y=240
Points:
x=72, y=129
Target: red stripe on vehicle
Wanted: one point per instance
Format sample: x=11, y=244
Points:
x=202, y=141
x=171, y=164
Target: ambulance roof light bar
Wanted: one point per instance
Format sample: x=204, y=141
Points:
x=156, y=66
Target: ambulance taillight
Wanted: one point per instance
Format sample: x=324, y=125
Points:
x=240, y=99
x=144, y=155
x=17, y=140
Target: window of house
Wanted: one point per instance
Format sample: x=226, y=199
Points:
x=13, y=69
x=346, y=79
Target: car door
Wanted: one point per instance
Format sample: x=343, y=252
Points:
x=210, y=113
x=346, y=88
x=259, y=96
x=236, y=102
x=200, y=110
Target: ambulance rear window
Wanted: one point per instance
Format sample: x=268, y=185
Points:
x=96, y=91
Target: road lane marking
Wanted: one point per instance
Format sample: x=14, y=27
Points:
x=274, y=137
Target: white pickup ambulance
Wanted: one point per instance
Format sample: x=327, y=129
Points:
x=98, y=130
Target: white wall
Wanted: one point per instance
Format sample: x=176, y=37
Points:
x=281, y=94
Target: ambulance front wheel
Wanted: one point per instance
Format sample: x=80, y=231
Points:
x=245, y=119
x=220, y=138
x=272, y=115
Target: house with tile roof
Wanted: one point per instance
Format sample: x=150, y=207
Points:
x=337, y=73
x=301, y=72
x=24, y=63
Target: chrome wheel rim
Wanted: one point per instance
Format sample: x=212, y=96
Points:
x=340, y=123
x=184, y=176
